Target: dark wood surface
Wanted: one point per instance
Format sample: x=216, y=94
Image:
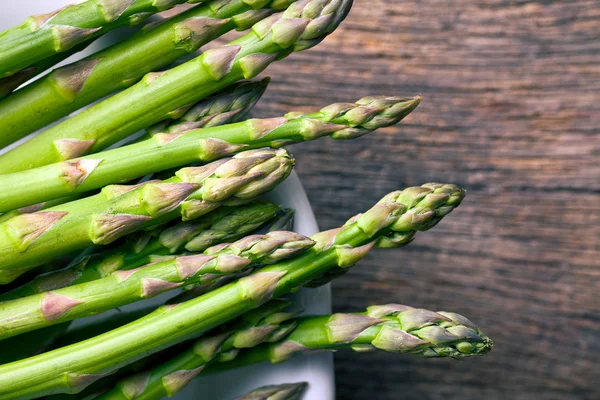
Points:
x=511, y=111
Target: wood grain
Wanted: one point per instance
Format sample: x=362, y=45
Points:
x=511, y=111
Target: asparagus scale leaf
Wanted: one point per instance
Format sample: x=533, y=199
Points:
x=33, y=239
x=10, y=83
x=72, y=368
x=169, y=150
x=303, y=25
x=76, y=85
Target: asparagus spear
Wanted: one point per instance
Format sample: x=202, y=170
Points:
x=70, y=369
x=392, y=328
x=303, y=25
x=228, y=106
x=280, y=222
x=220, y=226
x=45, y=35
x=33, y=239
x=223, y=225
x=171, y=375
x=276, y=338
x=286, y=391
x=164, y=151
x=71, y=87
x=128, y=286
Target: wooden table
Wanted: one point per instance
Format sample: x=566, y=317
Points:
x=511, y=111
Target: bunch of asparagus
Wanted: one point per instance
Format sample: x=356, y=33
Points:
x=85, y=230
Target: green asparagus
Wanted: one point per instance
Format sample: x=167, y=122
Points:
x=130, y=285
x=395, y=219
x=228, y=106
x=303, y=25
x=223, y=225
x=286, y=391
x=274, y=337
x=73, y=86
x=283, y=221
x=33, y=239
x=392, y=327
x=45, y=35
x=280, y=222
x=168, y=150
x=268, y=321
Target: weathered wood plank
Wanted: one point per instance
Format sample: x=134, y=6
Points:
x=511, y=111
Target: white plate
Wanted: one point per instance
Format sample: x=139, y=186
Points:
x=316, y=369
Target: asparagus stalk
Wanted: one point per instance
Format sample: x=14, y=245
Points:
x=70, y=369
x=45, y=35
x=391, y=328
x=71, y=87
x=128, y=286
x=33, y=239
x=164, y=151
x=303, y=25
x=223, y=225
x=286, y=391
x=31, y=343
